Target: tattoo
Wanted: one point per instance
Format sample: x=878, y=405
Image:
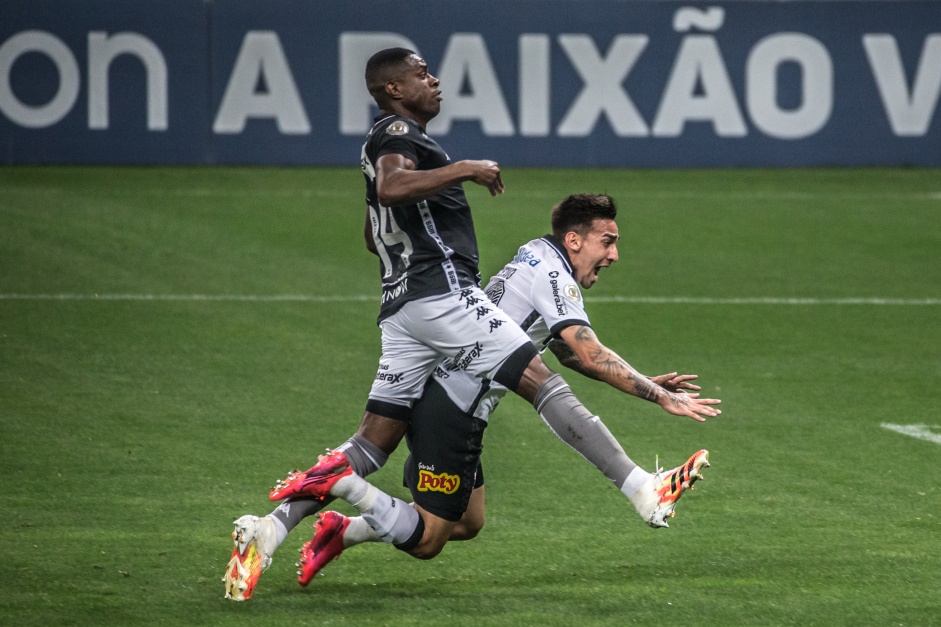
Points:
x=585, y=333
x=611, y=367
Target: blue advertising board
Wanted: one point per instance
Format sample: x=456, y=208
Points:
x=525, y=82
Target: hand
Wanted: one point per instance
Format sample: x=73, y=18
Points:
x=487, y=174
x=677, y=383
x=690, y=405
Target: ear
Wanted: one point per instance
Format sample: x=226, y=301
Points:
x=393, y=90
x=573, y=241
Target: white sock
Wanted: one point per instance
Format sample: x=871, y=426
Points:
x=358, y=532
x=353, y=489
x=394, y=520
x=634, y=482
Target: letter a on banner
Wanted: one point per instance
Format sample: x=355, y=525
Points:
x=261, y=56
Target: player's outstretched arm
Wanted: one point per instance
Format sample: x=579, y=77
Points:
x=399, y=183
x=596, y=360
x=674, y=382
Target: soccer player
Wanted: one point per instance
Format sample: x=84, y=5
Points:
x=539, y=289
x=432, y=309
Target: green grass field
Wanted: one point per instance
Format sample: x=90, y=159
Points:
x=153, y=386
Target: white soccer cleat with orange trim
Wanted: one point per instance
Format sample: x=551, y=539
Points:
x=255, y=541
x=657, y=499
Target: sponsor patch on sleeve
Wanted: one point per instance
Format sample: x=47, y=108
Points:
x=397, y=128
x=571, y=292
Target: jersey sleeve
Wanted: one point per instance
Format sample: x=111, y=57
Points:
x=398, y=138
x=558, y=300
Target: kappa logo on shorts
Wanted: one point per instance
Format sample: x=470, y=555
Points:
x=430, y=482
x=471, y=301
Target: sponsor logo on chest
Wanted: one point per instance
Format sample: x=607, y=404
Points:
x=560, y=307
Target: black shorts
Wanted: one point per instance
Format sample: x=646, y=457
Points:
x=445, y=444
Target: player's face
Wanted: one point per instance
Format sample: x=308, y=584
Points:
x=597, y=250
x=420, y=90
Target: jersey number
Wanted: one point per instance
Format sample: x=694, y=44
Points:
x=387, y=233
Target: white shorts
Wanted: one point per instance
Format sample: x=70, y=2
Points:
x=463, y=327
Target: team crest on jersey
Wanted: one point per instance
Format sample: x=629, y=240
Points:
x=571, y=292
x=495, y=292
x=397, y=128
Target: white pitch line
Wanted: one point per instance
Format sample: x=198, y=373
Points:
x=684, y=300
x=261, y=298
x=921, y=432
x=637, y=300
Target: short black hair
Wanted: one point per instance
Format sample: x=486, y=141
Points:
x=382, y=67
x=578, y=211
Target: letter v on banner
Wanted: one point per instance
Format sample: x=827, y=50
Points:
x=909, y=111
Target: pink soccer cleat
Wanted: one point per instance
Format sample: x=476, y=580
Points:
x=315, y=482
x=324, y=547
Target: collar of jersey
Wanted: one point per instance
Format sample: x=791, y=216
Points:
x=383, y=117
x=555, y=243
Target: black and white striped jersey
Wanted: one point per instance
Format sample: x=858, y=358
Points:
x=426, y=248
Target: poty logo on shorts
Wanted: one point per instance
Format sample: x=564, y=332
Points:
x=430, y=482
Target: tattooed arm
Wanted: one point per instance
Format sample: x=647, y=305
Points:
x=585, y=354
x=569, y=359
x=672, y=382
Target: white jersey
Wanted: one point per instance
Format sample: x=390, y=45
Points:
x=538, y=291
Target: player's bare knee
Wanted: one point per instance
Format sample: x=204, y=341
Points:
x=471, y=526
x=471, y=531
x=428, y=548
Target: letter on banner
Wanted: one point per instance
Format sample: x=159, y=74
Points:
x=466, y=61
x=603, y=93
x=261, y=56
x=44, y=115
x=356, y=105
x=699, y=62
x=817, y=85
x=102, y=50
x=909, y=113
